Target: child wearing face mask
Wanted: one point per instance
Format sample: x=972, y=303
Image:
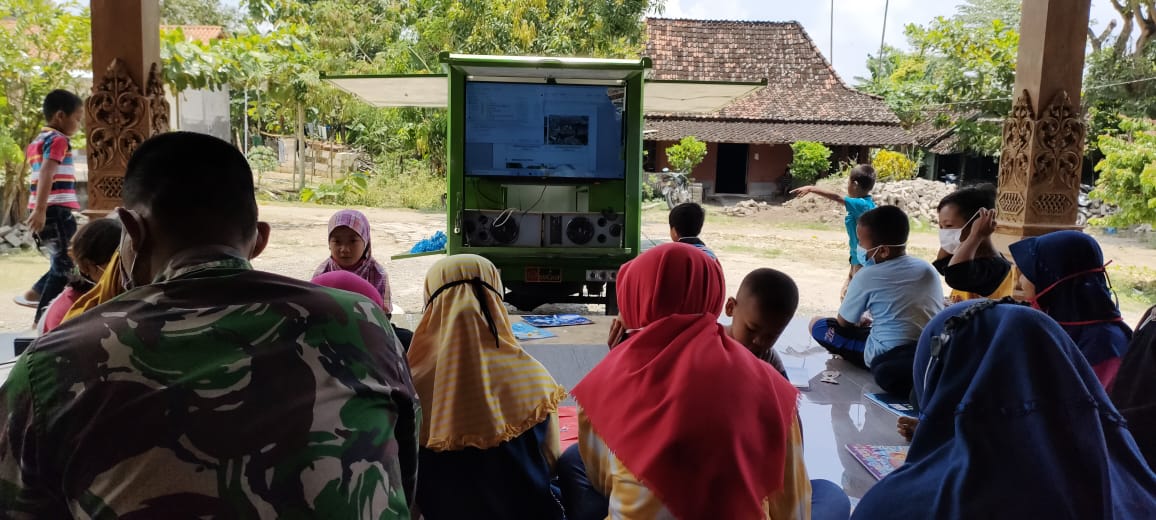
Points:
x=1064, y=275
x=967, y=258
x=901, y=292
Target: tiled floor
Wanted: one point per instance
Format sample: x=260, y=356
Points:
x=833, y=415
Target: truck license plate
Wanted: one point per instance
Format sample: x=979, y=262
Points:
x=543, y=275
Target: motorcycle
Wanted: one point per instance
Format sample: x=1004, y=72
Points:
x=950, y=178
x=1084, y=201
x=675, y=188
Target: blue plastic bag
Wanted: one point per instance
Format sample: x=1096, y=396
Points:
x=437, y=242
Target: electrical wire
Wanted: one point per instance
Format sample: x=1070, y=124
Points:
x=1086, y=89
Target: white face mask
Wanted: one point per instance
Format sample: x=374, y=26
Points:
x=950, y=239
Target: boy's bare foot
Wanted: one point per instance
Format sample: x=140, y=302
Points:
x=906, y=427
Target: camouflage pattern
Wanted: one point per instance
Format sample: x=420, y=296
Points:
x=217, y=392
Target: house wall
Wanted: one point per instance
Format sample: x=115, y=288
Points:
x=202, y=111
x=705, y=172
x=766, y=164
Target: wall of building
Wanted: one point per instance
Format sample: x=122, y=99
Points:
x=766, y=164
x=202, y=111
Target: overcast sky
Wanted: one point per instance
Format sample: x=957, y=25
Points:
x=858, y=23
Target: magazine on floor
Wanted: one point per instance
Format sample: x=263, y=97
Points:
x=896, y=405
x=879, y=460
x=556, y=320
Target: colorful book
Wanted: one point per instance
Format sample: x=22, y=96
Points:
x=524, y=331
x=556, y=320
x=880, y=461
x=895, y=405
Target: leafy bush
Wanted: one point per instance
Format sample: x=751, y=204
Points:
x=1128, y=174
x=893, y=166
x=810, y=161
x=351, y=190
x=262, y=159
x=688, y=153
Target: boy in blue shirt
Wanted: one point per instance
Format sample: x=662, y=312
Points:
x=857, y=202
x=686, y=222
x=902, y=294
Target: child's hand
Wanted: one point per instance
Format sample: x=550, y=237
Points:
x=617, y=333
x=984, y=224
x=906, y=427
x=802, y=191
x=36, y=220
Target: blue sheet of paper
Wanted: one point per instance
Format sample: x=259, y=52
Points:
x=525, y=331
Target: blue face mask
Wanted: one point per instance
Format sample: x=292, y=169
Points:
x=862, y=253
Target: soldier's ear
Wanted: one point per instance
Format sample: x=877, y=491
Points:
x=260, y=240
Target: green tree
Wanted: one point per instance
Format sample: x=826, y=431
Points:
x=1128, y=173
x=48, y=46
x=686, y=155
x=977, y=13
x=957, y=67
x=1120, y=69
x=198, y=12
x=809, y=161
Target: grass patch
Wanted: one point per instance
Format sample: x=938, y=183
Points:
x=810, y=226
x=18, y=271
x=761, y=252
x=1135, y=285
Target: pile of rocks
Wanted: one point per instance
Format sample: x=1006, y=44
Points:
x=746, y=208
x=15, y=238
x=919, y=198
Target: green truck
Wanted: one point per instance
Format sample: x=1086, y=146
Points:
x=544, y=171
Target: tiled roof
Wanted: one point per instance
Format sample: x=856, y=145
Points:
x=200, y=33
x=801, y=86
x=767, y=132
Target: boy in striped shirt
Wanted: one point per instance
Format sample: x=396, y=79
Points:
x=53, y=192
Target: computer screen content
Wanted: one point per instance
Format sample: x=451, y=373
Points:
x=544, y=130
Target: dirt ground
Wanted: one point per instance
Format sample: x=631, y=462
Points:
x=814, y=254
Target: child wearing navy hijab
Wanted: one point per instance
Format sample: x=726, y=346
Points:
x=1063, y=274
x=1015, y=425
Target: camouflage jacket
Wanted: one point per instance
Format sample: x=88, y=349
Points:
x=216, y=392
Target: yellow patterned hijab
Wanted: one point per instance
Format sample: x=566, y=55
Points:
x=478, y=388
x=107, y=288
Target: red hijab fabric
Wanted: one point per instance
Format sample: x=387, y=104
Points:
x=699, y=420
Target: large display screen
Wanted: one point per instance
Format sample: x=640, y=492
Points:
x=545, y=130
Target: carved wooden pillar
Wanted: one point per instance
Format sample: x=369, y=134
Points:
x=127, y=104
x=1043, y=138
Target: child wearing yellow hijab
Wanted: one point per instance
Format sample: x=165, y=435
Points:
x=490, y=438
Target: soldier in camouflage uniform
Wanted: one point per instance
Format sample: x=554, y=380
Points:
x=214, y=391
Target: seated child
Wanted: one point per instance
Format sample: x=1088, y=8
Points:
x=349, y=250
x=686, y=222
x=1064, y=275
x=967, y=258
x=857, y=202
x=764, y=305
x=901, y=292
x=91, y=250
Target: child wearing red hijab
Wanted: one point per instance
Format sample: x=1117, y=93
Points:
x=685, y=409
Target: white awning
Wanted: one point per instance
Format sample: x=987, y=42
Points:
x=432, y=91
x=692, y=97
x=425, y=90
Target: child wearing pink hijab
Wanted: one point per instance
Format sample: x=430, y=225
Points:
x=350, y=282
x=349, y=250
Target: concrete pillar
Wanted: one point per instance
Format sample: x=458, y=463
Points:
x=127, y=104
x=1043, y=138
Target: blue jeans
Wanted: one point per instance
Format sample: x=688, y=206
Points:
x=579, y=498
x=828, y=501
x=583, y=502
x=59, y=226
